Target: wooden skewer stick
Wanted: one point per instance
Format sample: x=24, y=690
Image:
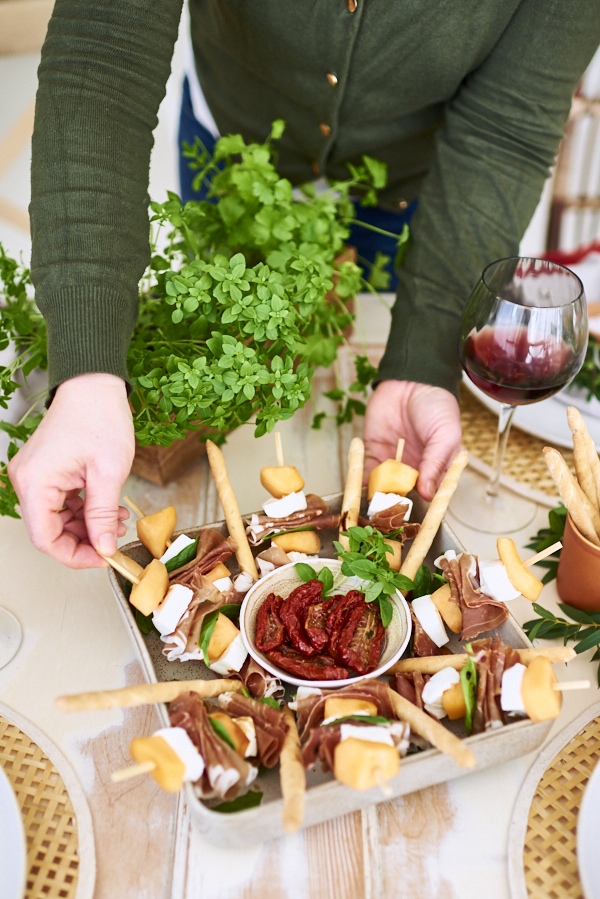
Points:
x=572, y=685
x=433, y=664
x=132, y=771
x=400, y=449
x=144, y=694
x=543, y=554
x=139, y=512
x=126, y=574
x=278, y=448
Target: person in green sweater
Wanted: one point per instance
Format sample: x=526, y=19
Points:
x=465, y=102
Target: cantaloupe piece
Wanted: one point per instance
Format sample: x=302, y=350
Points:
x=154, y=530
x=541, y=701
x=152, y=588
x=280, y=480
x=394, y=560
x=129, y=564
x=236, y=734
x=453, y=701
x=449, y=611
x=298, y=542
x=170, y=770
x=342, y=706
x=223, y=636
x=217, y=572
x=519, y=575
x=392, y=477
x=362, y=765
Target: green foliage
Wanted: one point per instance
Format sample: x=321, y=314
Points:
x=220, y=731
x=237, y=309
x=585, y=633
x=425, y=583
x=183, y=557
x=367, y=559
x=231, y=610
x=468, y=682
x=545, y=537
x=588, y=377
x=268, y=700
x=248, y=800
x=307, y=573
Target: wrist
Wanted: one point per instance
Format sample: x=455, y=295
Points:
x=92, y=383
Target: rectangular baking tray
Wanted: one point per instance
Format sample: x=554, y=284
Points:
x=326, y=798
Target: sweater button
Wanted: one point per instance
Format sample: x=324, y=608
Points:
x=402, y=204
x=352, y=5
x=325, y=129
x=332, y=79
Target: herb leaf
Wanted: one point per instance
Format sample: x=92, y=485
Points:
x=468, y=682
x=305, y=572
x=187, y=554
x=206, y=632
x=248, y=800
x=268, y=700
x=220, y=731
x=585, y=633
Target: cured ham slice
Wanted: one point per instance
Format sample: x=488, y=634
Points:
x=259, y=682
x=212, y=549
x=389, y=520
x=315, y=515
x=480, y=613
x=269, y=724
x=311, y=710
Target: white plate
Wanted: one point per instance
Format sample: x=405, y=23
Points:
x=13, y=849
x=548, y=419
x=588, y=828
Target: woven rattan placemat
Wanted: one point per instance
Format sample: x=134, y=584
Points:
x=523, y=460
x=543, y=858
x=52, y=821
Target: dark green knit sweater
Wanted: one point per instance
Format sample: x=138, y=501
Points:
x=463, y=99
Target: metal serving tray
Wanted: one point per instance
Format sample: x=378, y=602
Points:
x=326, y=798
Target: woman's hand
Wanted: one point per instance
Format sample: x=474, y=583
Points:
x=85, y=440
x=427, y=417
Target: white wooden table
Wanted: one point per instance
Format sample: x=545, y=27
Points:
x=447, y=841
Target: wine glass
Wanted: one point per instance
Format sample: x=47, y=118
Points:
x=523, y=338
x=10, y=636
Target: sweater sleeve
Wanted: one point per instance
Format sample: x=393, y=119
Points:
x=493, y=153
x=102, y=77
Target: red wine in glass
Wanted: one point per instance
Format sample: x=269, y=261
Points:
x=511, y=367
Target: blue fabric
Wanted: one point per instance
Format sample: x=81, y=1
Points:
x=368, y=243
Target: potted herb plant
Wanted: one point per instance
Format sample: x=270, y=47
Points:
x=236, y=308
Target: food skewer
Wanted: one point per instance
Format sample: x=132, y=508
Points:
x=433, y=664
x=433, y=517
x=231, y=509
x=432, y=731
x=550, y=550
x=400, y=449
x=279, y=449
x=144, y=694
x=121, y=569
x=292, y=776
x=139, y=512
x=132, y=771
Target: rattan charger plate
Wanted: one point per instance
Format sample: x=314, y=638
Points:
x=542, y=846
x=61, y=862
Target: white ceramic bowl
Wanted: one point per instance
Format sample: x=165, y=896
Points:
x=282, y=581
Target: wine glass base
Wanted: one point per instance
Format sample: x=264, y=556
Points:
x=11, y=636
x=501, y=514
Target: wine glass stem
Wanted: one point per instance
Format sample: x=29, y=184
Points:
x=504, y=420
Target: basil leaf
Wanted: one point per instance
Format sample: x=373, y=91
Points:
x=422, y=582
x=231, y=610
x=326, y=578
x=206, y=632
x=468, y=682
x=368, y=719
x=220, y=731
x=386, y=609
x=287, y=531
x=182, y=558
x=268, y=700
x=246, y=693
x=144, y=622
x=305, y=572
x=248, y=800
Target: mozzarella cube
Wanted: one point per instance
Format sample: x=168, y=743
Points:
x=224, y=584
x=171, y=610
x=175, y=548
x=383, y=501
x=243, y=582
x=430, y=619
x=450, y=555
x=510, y=698
x=232, y=659
x=372, y=734
x=495, y=582
x=287, y=505
x=246, y=725
x=180, y=743
x=435, y=688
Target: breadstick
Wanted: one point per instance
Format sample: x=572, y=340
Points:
x=587, y=464
x=144, y=694
x=433, y=517
x=231, y=509
x=292, y=776
x=431, y=730
x=571, y=494
x=353, y=491
x=433, y=664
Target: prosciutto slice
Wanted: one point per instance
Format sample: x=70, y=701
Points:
x=410, y=685
x=492, y=658
x=423, y=645
x=322, y=741
x=226, y=774
x=269, y=724
x=311, y=710
x=314, y=516
x=480, y=612
x=259, y=682
x=182, y=644
x=391, y=519
x=212, y=549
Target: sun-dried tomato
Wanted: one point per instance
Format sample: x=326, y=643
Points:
x=352, y=603
x=359, y=646
x=293, y=614
x=270, y=631
x=316, y=620
x=319, y=667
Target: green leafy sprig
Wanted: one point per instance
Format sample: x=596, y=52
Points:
x=248, y=800
x=231, y=610
x=307, y=573
x=584, y=633
x=545, y=537
x=468, y=682
x=588, y=377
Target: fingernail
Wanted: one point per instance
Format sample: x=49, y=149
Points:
x=431, y=489
x=107, y=544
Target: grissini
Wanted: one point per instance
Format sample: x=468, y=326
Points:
x=432, y=731
x=292, y=776
x=353, y=490
x=587, y=464
x=144, y=694
x=433, y=664
x=571, y=494
x=231, y=510
x=433, y=517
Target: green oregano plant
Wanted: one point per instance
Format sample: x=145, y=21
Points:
x=236, y=307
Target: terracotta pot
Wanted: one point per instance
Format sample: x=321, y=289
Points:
x=578, y=578
x=161, y=464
